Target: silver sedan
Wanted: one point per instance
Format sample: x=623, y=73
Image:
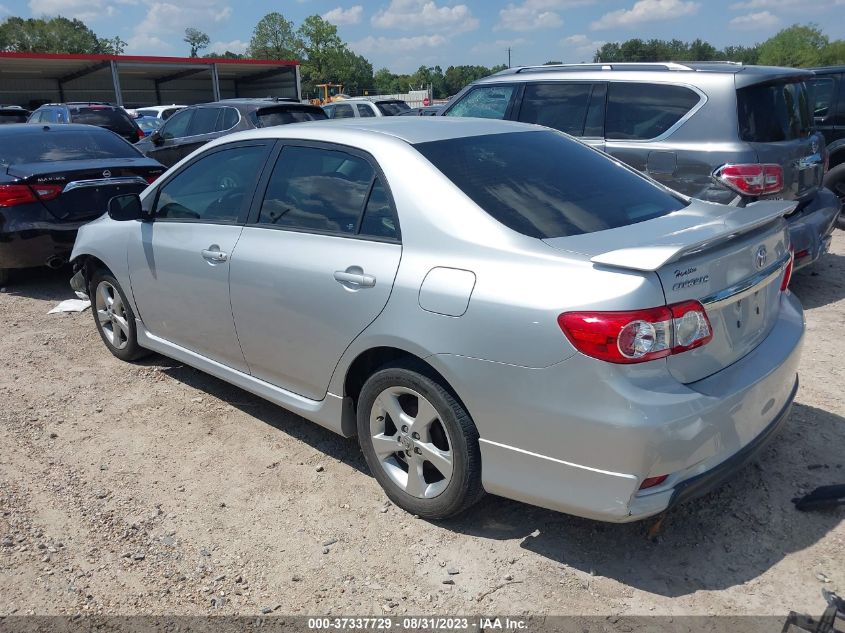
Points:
x=488, y=306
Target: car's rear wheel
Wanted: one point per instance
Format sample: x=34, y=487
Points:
x=113, y=317
x=419, y=442
x=835, y=181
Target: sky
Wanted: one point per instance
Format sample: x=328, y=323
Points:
x=403, y=35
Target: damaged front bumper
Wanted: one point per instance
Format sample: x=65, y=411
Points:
x=79, y=285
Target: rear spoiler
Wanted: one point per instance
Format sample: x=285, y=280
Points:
x=668, y=248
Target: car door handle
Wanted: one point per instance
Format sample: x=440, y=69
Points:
x=357, y=279
x=215, y=256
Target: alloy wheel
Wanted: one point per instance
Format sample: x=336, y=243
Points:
x=411, y=442
x=111, y=315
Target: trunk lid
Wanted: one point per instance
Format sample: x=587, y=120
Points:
x=87, y=186
x=775, y=119
x=731, y=261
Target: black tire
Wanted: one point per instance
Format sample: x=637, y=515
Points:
x=130, y=350
x=835, y=181
x=464, y=488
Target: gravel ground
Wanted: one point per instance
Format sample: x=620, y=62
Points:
x=154, y=488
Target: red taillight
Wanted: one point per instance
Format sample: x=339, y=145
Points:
x=13, y=195
x=754, y=179
x=47, y=192
x=637, y=336
x=651, y=482
x=152, y=179
x=141, y=134
x=787, y=272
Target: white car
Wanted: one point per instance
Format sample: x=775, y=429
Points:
x=163, y=112
x=357, y=108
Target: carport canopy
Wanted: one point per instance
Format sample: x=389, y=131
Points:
x=32, y=79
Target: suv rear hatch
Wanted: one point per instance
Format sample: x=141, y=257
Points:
x=775, y=119
x=284, y=114
x=110, y=118
x=732, y=263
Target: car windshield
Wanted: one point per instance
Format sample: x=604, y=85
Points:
x=774, y=112
x=41, y=146
x=543, y=184
x=268, y=117
x=107, y=118
x=392, y=108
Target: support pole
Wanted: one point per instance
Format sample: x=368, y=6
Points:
x=115, y=77
x=215, y=82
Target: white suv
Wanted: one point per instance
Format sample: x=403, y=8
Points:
x=360, y=108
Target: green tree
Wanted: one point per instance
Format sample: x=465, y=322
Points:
x=797, y=45
x=274, y=38
x=111, y=46
x=744, y=54
x=53, y=35
x=196, y=39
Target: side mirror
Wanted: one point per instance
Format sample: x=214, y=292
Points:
x=155, y=138
x=126, y=207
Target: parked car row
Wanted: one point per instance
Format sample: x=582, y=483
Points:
x=603, y=327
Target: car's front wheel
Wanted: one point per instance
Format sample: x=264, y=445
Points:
x=835, y=181
x=419, y=442
x=113, y=317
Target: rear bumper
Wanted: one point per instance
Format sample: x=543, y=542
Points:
x=36, y=245
x=580, y=436
x=810, y=229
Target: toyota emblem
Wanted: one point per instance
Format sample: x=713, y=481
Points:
x=107, y=174
x=761, y=257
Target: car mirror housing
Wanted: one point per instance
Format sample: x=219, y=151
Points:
x=155, y=138
x=126, y=207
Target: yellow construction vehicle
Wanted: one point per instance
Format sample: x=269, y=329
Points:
x=329, y=92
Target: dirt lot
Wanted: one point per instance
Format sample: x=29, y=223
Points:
x=153, y=488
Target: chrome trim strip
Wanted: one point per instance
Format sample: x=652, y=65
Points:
x=103, y=182
x=746, y=286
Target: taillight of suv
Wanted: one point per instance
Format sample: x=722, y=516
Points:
x=752, y=179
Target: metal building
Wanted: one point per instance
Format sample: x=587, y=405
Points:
x=31, y=79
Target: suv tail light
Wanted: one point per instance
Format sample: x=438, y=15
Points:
x=152, y=179
x=141, y=134
x=14, y=195
x=755, y=179
x=637, y=336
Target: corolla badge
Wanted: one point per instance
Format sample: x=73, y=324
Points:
x=107, y=174
x=761, y=257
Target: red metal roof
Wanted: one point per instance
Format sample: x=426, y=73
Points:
x=151, y=59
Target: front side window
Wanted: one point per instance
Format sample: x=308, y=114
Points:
x=543, y=184
x=640, y=112
x=213, y=188
x=315, y=189
x=486, y=102
x=822, y=91
x=772, y=112
x=177, y=125
x=558, y=105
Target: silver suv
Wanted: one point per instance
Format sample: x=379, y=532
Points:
x=721, y=132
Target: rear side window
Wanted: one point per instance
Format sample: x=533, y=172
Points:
x=316, y=189
x=343, y=111
x=114, y=120
x=392, y=108
x=562, y=106
x=228, y=119
x=267, y=117
x=177, y=125
x=486, y=102
x=640, y=112
x=378, y=219
x=204, y=121
x=545, y=185
x=773, y=112
x=364, y=110
x=823, y=95
x=64, y=144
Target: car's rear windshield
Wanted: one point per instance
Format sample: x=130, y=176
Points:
x=111, y=119
x=267, y=117
x=773, y=112
x=545, y=185
x=13, y=116
x=392, y=108
x=41, y=146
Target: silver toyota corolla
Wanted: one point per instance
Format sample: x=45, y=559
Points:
x=489, y=306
